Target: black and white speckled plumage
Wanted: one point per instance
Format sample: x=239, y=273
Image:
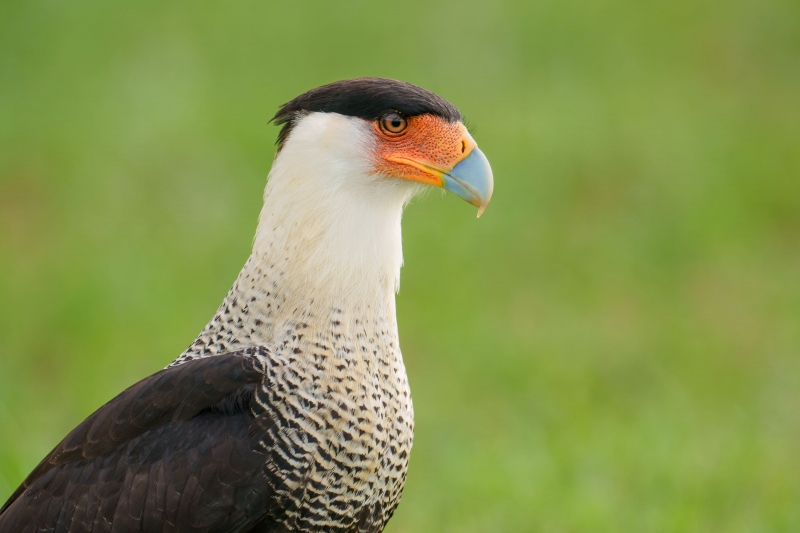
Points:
x=291, y=412
x=337, y=386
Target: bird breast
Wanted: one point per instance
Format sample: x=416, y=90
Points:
x=343, y=417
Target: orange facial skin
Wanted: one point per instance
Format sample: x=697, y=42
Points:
x=427, y=149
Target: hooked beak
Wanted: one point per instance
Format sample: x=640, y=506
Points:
x=472, y=180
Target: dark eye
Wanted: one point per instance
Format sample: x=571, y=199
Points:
x=393, y=124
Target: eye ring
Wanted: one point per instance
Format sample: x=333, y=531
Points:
x=393, y=124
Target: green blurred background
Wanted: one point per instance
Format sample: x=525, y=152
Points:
x=614, y=346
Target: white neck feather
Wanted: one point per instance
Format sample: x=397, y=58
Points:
x=327, y=249
x=328, y=220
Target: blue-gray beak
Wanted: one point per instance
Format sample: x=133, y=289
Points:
x=472, y=180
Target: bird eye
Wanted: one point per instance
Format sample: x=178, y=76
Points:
x=393, y=124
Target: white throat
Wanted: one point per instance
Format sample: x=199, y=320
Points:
x=331, y=224
x=327, y=249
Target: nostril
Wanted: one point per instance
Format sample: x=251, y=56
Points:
x=463, y=147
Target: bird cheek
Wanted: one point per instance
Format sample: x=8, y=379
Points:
x=429, y=149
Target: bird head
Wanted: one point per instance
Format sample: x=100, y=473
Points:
x=390, y=130
x=351, y=154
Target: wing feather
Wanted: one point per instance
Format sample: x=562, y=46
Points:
x=174, y=452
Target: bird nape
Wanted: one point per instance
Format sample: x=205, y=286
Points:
x=291, y=410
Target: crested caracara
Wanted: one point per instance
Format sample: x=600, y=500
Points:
x=291, y=410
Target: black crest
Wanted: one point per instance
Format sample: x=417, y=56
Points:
x=367, y=98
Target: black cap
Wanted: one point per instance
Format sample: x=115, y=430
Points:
x=367, y=98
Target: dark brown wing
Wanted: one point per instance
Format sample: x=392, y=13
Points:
x=171, y=453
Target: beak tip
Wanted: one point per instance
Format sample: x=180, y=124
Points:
x=472, y=180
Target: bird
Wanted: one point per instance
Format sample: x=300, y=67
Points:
x=291, y=410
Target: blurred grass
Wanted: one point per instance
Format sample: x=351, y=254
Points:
x=614, y=346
